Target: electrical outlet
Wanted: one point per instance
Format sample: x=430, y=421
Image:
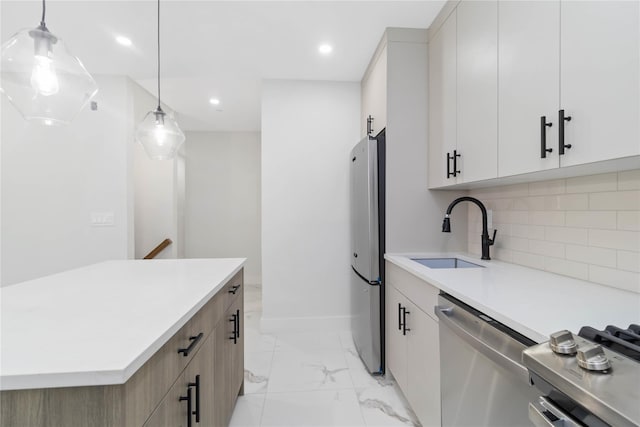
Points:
x=102, y=219
x=489, y=218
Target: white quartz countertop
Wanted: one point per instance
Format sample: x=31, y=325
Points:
x=532, y=302
x=97, y=325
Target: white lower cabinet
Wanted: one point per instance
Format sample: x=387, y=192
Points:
x=412, y=343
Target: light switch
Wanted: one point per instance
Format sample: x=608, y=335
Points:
x=102, y=219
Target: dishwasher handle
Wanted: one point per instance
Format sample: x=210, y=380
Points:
x=545, y=414
x=447, y=317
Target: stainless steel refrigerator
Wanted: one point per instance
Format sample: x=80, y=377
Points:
x=367, y=250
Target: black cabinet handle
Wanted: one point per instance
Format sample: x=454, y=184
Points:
x=404, y=321
x=399, y=316
x=234, y=335
x=196, y=384
x=561, y=119
x=543, y=137
x=234, y=289
x=187, y=398
x=194, y=342
x=237, y=324
x=455, y=164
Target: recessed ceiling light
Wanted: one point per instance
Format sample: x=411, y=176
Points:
x=214, y=101
x=325, y=49
x=124, y=41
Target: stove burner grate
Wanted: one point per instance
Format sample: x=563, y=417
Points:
x=623, y=341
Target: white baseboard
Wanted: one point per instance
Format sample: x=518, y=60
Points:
x=300, y=324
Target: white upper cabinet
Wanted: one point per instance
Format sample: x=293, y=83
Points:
x=528, y=64
x=563, y=76
x=442, y=104
x=477, y=90
x=374, y=95
x=600, y=80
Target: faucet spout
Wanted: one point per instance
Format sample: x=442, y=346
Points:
x=486, y=240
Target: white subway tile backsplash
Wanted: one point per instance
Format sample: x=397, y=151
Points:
x=547, y=187
x=616, y=200
x=536, y=232
x=616, y=278
x=547, y=218
x=592, y=219
x=615, y=239
x=585, y=227
x=566, y=235
x=528, y=260
x=592, y=183
x=579, y=270
x=629, y=180
x=629, y=220
x=629, y=261
x=592, y=255
x=566, y=202
x=541, y=247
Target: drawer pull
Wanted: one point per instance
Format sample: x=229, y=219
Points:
x=187, y=398
x=234, y=289
x=237, y=324
x=234, y=336
x=194, y=342
x=196, y=384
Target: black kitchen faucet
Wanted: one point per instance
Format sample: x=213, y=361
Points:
x=486, y=241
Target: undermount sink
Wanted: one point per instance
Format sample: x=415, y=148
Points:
x=446, y=263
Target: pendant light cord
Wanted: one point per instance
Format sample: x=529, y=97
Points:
x=44, y=8
x=159, y=108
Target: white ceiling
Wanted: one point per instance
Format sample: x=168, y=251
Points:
x=221, y=49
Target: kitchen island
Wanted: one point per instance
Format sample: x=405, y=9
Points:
x=124, y=343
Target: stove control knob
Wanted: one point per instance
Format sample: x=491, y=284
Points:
x=592, y=358
x=562, y=342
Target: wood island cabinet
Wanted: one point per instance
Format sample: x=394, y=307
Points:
x=194, y=379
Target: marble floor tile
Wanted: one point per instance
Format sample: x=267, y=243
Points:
x=257, y=342
x=257, y=369
x=308, y=341
x=385, y=406
x=248, y=411
x=346, y=339
x=360, y=375
x=312, y=370
x=315, y=408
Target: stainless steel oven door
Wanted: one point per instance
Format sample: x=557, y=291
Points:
x=543, y=413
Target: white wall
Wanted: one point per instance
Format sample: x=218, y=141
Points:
x=308, y=130
x=53, y=178
x=159, y=189
x=222, y=213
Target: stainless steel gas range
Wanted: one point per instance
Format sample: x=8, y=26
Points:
x=590, y=379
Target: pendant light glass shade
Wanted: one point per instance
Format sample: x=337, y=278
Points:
x=160, y=135
x=42, y=79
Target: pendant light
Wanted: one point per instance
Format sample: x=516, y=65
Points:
x=159, y=133
x=42, y=79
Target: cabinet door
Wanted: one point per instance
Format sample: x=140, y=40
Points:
x=396, y=343
x=236, y=354
x=200, y=373
x=442, y=102
x=171, y=412
x=477, y=90
x=600, y=79
x=423, y=365
x=528, y=84
x=374, y=95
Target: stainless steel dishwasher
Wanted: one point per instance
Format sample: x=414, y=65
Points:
x=482, y=379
